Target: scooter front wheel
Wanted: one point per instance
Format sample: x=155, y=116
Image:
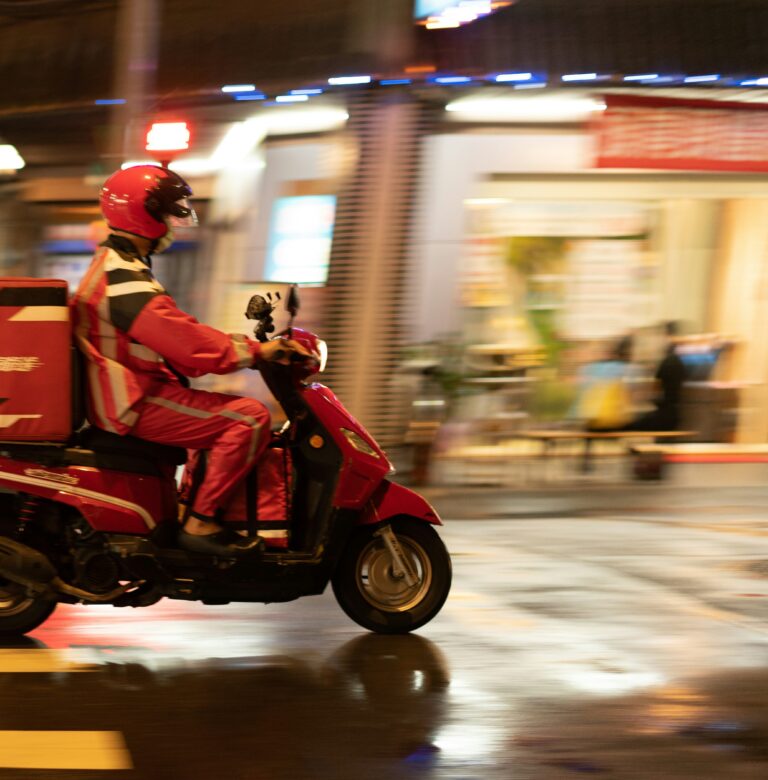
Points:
x=20, y=613
x=376, y=596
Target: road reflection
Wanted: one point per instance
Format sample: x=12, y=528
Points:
x=373, y=708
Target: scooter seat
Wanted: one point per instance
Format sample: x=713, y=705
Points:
x=111, y=443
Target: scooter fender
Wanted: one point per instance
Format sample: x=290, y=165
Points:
x=390, y=500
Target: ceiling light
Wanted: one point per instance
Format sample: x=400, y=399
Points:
x=525, y=109
x=504, y=77
x=10, y=159
x=340, y=81
x=239, y=88
x=580, y=77
x=700, y=79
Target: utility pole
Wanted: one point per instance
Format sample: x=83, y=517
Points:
x=135, y=68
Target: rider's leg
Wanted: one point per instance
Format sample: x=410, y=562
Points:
x=234, y=430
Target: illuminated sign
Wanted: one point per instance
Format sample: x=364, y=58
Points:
x=300, y=237
x=440, y=14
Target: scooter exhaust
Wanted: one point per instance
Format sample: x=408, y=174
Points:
x=30, y=568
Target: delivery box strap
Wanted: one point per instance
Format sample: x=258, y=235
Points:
x=252, y=500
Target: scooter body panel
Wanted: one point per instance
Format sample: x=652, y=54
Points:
x=390, y=500
x=361, y=472
x=111, y=501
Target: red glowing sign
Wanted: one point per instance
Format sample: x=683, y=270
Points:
x=168, y=137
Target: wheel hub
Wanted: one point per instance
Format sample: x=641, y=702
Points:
x=13, y=600
x=379, y=584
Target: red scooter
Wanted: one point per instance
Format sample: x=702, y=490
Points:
x=94, y=520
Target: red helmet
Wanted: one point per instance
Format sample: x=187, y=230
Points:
x=139, y=199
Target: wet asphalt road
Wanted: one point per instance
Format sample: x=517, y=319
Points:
x=588, y=633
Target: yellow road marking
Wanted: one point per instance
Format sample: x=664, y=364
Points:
x=63, y=750
x=39, y=660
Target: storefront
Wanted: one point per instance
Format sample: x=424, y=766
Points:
x=526, y=251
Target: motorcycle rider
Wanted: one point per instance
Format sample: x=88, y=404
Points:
x=139, y=346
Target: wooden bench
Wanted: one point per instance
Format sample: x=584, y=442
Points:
x=550, y=437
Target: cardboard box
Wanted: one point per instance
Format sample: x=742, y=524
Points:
x=35, y=360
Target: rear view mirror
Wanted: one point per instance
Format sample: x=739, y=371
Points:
x=292, y=304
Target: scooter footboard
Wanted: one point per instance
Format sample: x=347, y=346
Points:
x=390, y=500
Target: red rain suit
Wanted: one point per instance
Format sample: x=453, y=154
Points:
x=136, y=342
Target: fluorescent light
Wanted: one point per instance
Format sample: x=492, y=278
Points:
x=255, y=96
x=10, y=159
x=306, y=91
x=110, y=101
x=239, y=88
x=580, y=77
x=699, y=79
x=761, y=82
x=525, y=109
x=291, y=98
x=482, y=202
x=292, y=121
x=340, y=81
x=452, y=79
x=537, y=85
x=242, y=137
x=194, y=166
x=503, y=77
x=238, y=142
x=392, y=82
x=642, y=77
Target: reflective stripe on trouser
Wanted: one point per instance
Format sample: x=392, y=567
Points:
x=234, y=430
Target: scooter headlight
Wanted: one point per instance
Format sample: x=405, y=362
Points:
x=359, y=443
x=322, y=348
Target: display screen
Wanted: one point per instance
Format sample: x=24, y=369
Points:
x=425, y=8
x=452, y=13
x=300, y=235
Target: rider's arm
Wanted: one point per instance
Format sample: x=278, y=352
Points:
x=153, y=319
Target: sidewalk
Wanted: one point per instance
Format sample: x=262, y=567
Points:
x=625, y=499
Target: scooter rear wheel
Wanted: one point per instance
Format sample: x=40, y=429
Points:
x=368, y=590
x=20, y=613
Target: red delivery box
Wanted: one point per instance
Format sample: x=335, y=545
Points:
x=35, y=360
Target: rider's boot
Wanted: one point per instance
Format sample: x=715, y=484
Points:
x=224, y=544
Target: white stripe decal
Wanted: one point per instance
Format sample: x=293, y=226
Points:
x=128, y=288
x=180, y=408
x=242, y=350
x=64, y=750
x=82, y=492
x=114, y=261
x=41, y=314
x=7, y=420
x=143, y=353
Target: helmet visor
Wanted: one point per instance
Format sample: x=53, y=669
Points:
x=181, y=215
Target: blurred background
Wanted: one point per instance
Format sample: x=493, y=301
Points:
x=515, y=224
x=479, y=198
